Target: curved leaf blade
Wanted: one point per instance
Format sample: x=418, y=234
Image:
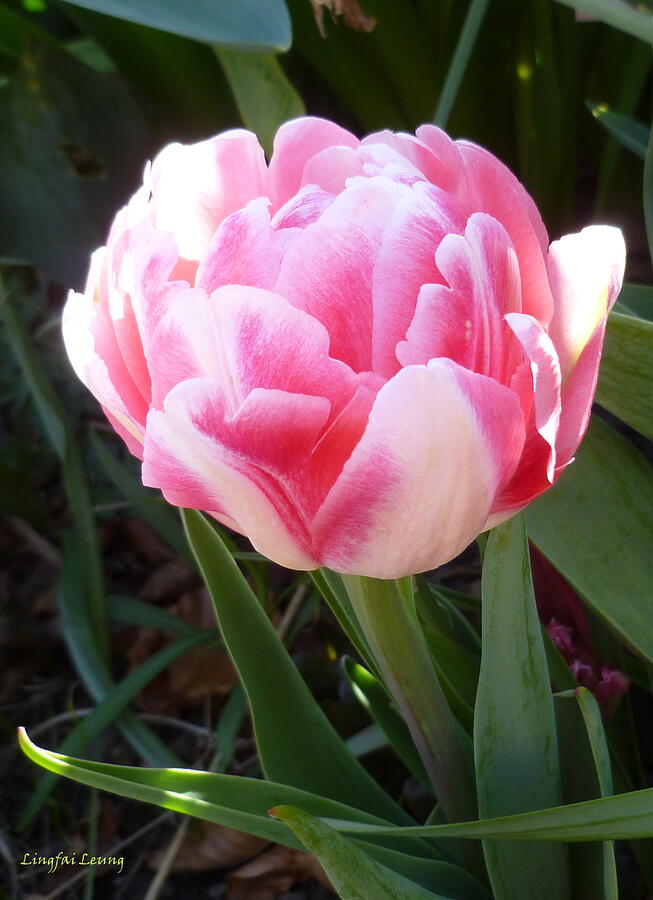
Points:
x=248, y=24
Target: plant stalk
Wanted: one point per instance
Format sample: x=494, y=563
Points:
x=388, y=616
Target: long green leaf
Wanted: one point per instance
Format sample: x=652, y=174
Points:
x=647, y=193
x=374, y=697
x=631, y=134
x=515, y=743
x=264, y=96
x=354, y=875
x=621, y=817
x=625, y=385
x=249, y=24
x=242, y=803
x=586, y=774
x=598, y=511
x=459, y=61
x=297, y=744
x=617, y=14
x=108, y=710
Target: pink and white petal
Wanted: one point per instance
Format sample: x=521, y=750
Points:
x=466, y=321
x=545, y=385
x=196, y=186
x=93, y=351
x=383, y=159
x=577, y=396
x=585, y=272
x=186, y=458
x=303, y=208
x=129, y=431
x=424, y=159
x=406, y=261
x=244, y=250
x=294, y=145
x=246, y=338
x=439, y=445
x=331, y=168
x=328, y=270
x=489, y=186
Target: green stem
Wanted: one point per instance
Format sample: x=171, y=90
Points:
x=387, y=614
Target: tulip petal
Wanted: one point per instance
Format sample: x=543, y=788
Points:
x=96, y=358
x=204, y=457
x=195, y=187
x=545, y=387
x=244, y=250
x=328, y=270
x=586, y=271
x=405, y=262
x=246, y=338
x=294, y=145
x=465, y=321
x=440, y=443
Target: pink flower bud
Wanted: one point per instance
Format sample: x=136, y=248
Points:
x=360, y=355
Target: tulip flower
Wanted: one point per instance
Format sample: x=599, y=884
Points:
x=360, y=355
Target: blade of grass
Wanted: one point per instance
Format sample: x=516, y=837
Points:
x=459, y=61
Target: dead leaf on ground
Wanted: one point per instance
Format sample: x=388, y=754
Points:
x=350, y=10
x=208, y=846
x=169, y=581
x=272, y=873
x=198, y=673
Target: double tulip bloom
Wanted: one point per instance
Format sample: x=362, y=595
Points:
x=360, y=355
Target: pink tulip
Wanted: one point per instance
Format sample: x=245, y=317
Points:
x=360, y=355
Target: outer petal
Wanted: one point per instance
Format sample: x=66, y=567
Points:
x=195, y=187
x=203, y=457
x=440, y=443
x=94, y=353
x=294, y=145
x=585, y=271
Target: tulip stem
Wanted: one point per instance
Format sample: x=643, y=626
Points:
x=388, y=616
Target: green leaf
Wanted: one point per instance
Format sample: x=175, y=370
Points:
x=635, y=300
x=586, y=774
x=65, y=160
x=647, y=193
x=625, y=385
x=374, y=697
x=231, y=800
x=248, y=24
x=515, y=743
x=242, y=803
x=631, y=134
x=147, y=615
x=459, y=61
x=297, y=745
x=618, y=14
x=599, y=511
x=108, y=710
x=264, y=96
x=621, y=817
x=354, y=875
